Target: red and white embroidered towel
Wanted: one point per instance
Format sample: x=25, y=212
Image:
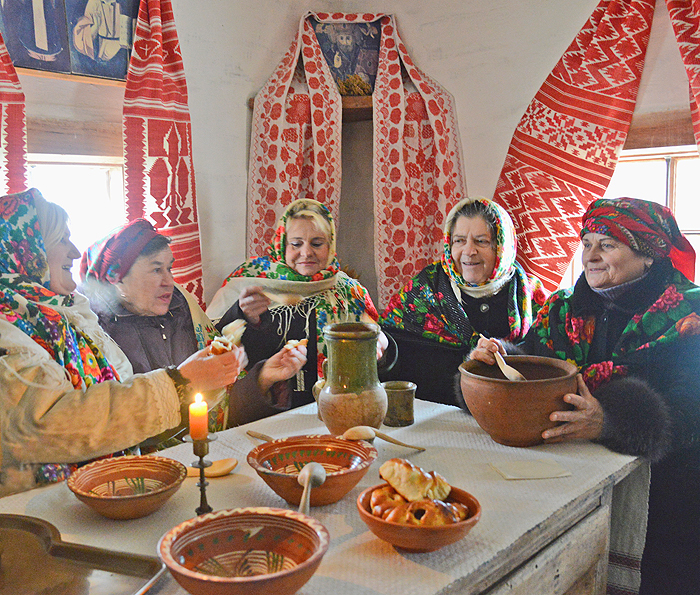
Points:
x=159, y=173
x=295, y=150
x=13, y=128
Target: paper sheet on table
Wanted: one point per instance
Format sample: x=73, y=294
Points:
x=538, y=469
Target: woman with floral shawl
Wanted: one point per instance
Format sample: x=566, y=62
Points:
x=62, y=399
x=476, y=287
x=292, y=293
x=632, y=326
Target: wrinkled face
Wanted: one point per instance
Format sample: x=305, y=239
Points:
x=60, y=259
x=307, y=247
x=148, y=286
x=473, y=249
x=608, y=262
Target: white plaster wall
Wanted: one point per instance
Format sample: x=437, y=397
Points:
x=492, y=55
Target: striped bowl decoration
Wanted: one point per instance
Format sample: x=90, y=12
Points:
x=246, y=551
x=278, y=463
x=127, y=487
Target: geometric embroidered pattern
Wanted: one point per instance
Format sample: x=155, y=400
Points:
x=159, y=175
x=13, y=128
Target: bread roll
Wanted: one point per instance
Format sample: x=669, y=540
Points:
x=427, y=513
x=230, y=337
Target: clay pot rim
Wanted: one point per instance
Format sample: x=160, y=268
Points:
x=553, y=362
x=351, y=330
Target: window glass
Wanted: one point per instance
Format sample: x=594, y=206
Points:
x=645, y=179
x=91, y=193
x=688, y=193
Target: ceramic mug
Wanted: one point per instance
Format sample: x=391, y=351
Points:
x=400, y=395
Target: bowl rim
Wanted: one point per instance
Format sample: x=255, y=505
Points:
x=254, y=462
x=165, y=542
x=73, y=478
x=472, y=520
x=562, y=364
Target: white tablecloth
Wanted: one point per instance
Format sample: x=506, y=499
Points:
x=358, y=563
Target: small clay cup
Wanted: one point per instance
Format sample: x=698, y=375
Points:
x=515, y=413
x=400, y=395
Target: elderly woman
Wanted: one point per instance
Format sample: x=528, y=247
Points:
x=632, y=325
x=128, y=280
x=63, y=399
x=476, y=287
x=293, y=293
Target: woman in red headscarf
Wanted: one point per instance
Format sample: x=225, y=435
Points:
x=632, y=325
x=128, y=280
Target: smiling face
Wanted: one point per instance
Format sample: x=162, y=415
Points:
x=473, y=249
x=148, y=286
x=307, y=247
x=60, y=258
x=608, y=262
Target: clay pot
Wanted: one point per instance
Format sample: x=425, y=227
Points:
x=516, y=413
x=351, y=395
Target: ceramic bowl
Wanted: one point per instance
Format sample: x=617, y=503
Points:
x=516, y=413
x=127, y=487
x=415, y=538
x=278, y=463
x=244, y=551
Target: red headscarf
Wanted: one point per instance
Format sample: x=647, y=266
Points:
x=110, y=259
x=644, y=226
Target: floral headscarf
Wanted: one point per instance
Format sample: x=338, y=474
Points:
x=27, y=302
x=505, y=250
x=110, y=259
x=644, y=226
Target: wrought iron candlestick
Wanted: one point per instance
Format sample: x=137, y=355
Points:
x=201, y=450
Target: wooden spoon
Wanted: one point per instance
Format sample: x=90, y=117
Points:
x=311, y=475
x=216, y=469
x=368, y=433
x=508, y=371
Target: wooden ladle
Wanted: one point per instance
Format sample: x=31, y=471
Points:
x=368, y=433
x=311, y=475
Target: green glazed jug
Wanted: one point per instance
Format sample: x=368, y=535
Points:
x=352, y=394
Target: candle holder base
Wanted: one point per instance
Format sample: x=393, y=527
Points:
x=201, y=450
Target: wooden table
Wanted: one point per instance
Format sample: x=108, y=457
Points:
x=548, y=536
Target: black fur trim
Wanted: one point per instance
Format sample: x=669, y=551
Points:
x=636, y=419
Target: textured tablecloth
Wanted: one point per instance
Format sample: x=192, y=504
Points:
x=358, y=563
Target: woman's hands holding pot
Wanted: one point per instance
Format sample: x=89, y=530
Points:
x=585, y=422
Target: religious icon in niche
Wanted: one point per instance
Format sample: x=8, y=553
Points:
x=85, y=37
x=352, y=53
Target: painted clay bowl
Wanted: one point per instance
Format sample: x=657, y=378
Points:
x=278, y=463
x=417, y=538
x=516, y=413
x=244, y=551
x=127, y=487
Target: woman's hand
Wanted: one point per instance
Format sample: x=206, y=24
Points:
x=207, y=371
x=585, y=422
x=382, y=344
x=281, y=366
x=253, y=302
x=485, y=349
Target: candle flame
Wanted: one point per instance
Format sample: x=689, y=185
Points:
x=198, y=398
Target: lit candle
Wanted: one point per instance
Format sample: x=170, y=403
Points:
x=199, y=421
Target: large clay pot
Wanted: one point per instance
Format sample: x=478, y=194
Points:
x=516, y=413
x=352, y=394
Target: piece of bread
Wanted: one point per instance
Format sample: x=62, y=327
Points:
x=292, y=343
x=384, y=499
x=412, y=482
x=230, y=337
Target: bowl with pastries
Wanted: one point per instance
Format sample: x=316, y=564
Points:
x=278, y=463
x=417, y=510
x=244, y=551
x=516, y=412
x=127, y=487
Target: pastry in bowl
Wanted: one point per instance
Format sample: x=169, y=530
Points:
x=417, y=510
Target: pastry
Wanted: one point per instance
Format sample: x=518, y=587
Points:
x=383, y=500
x=412, y=482
x=230, y=337
x=427, y=513
x=292, y=343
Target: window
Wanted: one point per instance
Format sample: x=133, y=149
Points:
x=90, y=189
x=669, y=176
